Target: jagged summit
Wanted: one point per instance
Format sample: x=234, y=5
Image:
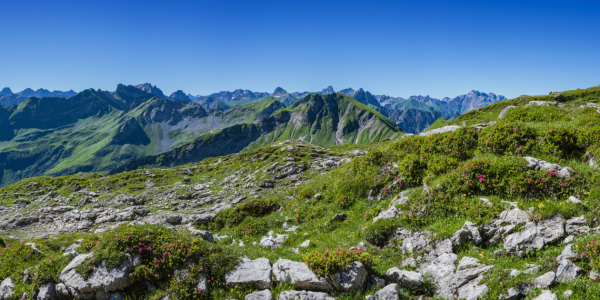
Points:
x=328, y=90
x=152, y=89
x=179, y=95
x=279, y=92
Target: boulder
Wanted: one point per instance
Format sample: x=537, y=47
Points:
x=444, y=129
x=47, y=292
x=546, y=295
x=351, y=278
x=7, y=289
x=101, y=280
x=300, y=275
x=534, y=237
x=441, y=273
x=173, y=219
x=273, y=241
x=202, y=285
x=577, y=226
x=405, y=279
x=567, y=271
x=339, y=217
x=567, y=253
x=374, y=281
x=416, y=242
x=255, y=272
x=545, y=280
x=389, y=292
x=468, y=269
x=542, y=165
x=472, y=290
x=207, y=236
x=504, y=111
x=260, y=295
x=304, y=295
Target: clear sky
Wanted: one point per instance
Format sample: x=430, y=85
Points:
x=398, y=48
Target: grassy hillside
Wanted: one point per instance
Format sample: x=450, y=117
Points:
x=443, y=177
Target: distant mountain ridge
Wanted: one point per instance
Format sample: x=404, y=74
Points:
x=392, y=107
x=97, y=130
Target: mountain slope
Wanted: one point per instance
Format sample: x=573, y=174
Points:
x=331, y=119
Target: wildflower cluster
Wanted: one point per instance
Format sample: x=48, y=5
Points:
x=592, y=254
x=326, y=262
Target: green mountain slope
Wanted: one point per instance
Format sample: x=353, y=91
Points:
x=500, y=206
x=333, y=119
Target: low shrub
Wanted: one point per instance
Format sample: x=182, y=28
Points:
x=412, y=169
x=325, y=263
x=379, y=233
x=591, y=253
x=507, y=138
x=162, y=252
x=253, y=208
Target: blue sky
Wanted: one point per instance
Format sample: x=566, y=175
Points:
x=399, y=48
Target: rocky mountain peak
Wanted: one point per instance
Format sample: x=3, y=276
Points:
x=328, y=90
x=152, y=89
x=279, y=91
x=6, y=91
x=179, y=95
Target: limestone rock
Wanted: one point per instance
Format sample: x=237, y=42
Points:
x=304, y=295
x=545, y=280
x=300, y=275
x=441, y=273
x=444, y=129
x=351, y=278
x=389, y=292
x=567, y=271
x=504, y=111
x=546, y=295
x=101, y=280
x=7, y=289
x=260, y=295
x=256, y=272
x=405, y=279
x=47, y=292
x=577, y=226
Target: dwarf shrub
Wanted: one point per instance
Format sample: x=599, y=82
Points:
x=412, y=169
x=507, y=138
x=162, y=251
x=326, y=262
x=379, y=233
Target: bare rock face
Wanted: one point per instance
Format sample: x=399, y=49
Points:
x=351, y=278
x=6, y=289
x=304, y=295
x=567, y=271
x=260, y=295
x=405, y=279
x=389, y=292
x=533, y=237
x=542, y=165
x=444, y=129
x=101, y=281
x=255, y=272
x=300, y=275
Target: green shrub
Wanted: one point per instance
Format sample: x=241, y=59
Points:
x=253, y=208
x=412, y=170
x=507, y=138
x=327, y=262
x=252, y=226
x=534, y=113
x=562, y=142
x=379, y=233
x=162, y=251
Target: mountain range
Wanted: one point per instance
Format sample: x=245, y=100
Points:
x=99, y=131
